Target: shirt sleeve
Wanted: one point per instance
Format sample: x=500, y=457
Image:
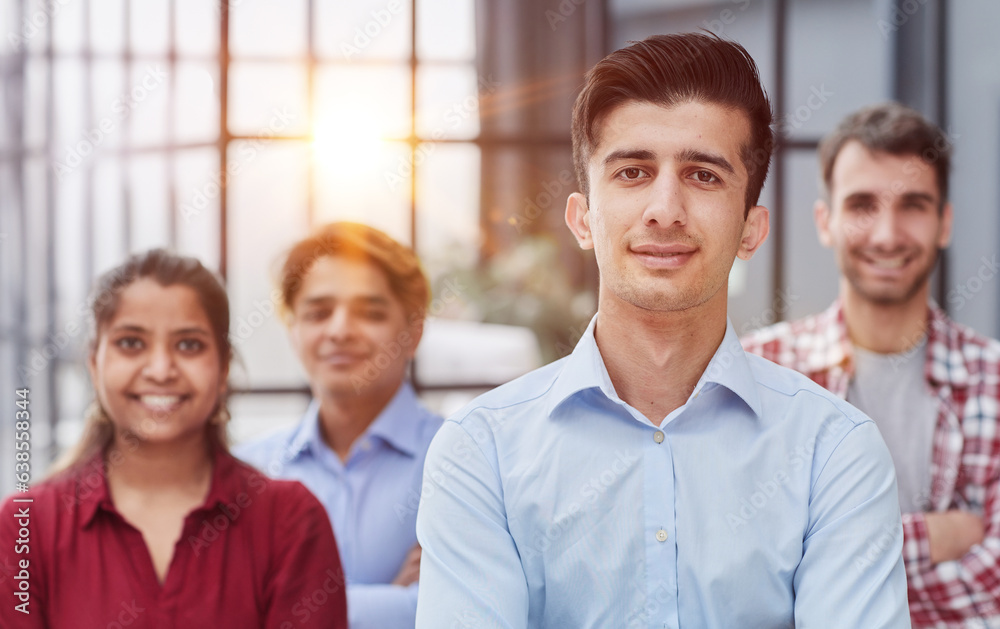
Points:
x=470, y=570
x=13, y=572
x=305, y=585
x=967, y=588
x=916, y=544
x=381, y=606
x=852, y=565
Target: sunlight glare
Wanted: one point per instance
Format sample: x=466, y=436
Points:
x=348, y=140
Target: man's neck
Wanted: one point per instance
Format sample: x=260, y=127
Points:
x=344, y=418
x=885, y=328
x=655, y=359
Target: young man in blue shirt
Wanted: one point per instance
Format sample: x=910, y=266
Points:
x=659, y=476
x=354, y=300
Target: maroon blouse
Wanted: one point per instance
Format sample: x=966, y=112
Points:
x=257, y=553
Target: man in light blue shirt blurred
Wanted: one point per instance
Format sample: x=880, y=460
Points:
x=354, y=301
x=659, y=476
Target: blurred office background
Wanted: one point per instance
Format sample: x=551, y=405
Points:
x=226, y=129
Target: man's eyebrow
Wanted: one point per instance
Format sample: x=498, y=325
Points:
x=693, y=155
x=642, y=155
x=368, y=300
x=861, y=196
x=920, y=196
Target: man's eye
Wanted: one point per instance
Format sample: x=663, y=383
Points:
x=316, y=315
x=632, y=173
x=705, y=176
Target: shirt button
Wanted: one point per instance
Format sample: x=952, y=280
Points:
x=661, y=536
x=658, y=436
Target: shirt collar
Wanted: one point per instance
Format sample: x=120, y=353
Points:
x=835, y=350
x=91, y=490
x=584, y=369
x=395, y=425
x=93, y=493
x=945, y=358
x=944, y=362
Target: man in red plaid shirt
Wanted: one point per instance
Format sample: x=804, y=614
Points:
x=931, y=385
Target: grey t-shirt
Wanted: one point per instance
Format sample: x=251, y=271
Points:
x=891, y=389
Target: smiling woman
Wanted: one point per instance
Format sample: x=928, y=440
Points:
x=151, y=493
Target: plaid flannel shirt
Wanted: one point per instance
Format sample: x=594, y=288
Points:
x=962, y=370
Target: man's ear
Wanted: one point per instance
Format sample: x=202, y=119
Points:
x=821, y=214
x=416, y=333
x=578, y=220
x=944, y=238
x=755, y=229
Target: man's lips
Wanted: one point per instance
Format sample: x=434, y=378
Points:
x=887, y=263
x=337, y=359
x=664, y=256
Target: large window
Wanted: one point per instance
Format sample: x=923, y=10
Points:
x=223, y=130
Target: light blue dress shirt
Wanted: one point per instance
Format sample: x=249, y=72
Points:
x=372, y=499
x=762, y=502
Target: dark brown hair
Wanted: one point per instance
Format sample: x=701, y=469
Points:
x=670, y=69
x=359, y=242
x=890, y=128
